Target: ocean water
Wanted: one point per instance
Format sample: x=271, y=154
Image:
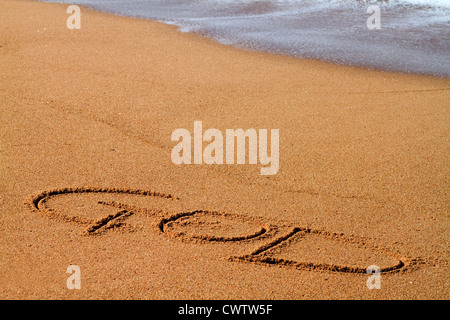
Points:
x=414, y=35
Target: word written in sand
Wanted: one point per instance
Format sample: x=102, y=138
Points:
x=213, y=152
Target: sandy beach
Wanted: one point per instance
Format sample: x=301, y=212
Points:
x=87, y=177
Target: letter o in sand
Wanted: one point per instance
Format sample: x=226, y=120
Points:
x=211, y=226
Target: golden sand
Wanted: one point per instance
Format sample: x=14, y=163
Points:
x=87, y=177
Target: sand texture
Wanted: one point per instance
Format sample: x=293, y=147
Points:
x=87, y=177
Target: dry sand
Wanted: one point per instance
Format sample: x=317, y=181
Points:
x=87, y=115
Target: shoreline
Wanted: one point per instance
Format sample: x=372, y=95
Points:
x=389, y=66
x=86, y=130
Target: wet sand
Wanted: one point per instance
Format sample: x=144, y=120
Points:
x=87, y=177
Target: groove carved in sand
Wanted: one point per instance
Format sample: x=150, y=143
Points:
x=300, y=248
x=211, y=226
x=282, y=251
x=39, y=203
